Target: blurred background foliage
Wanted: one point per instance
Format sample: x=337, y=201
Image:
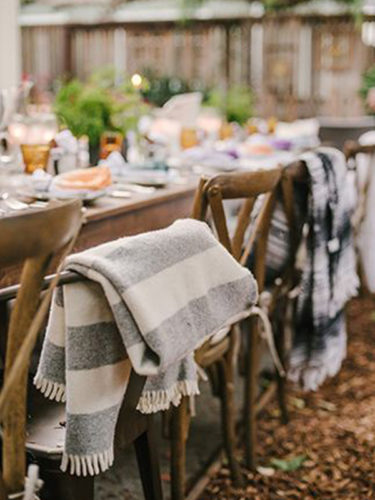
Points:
x=108, y=101
x=100, y=104
x=368, y=83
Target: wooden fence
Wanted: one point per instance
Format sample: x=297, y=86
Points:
x=298, y=66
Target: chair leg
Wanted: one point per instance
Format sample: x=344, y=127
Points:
x=63, y=486
x=148, y=464
x=14, y=422
x=179, y=432
x=78, y=488
x=228, y=418
x=251, y=391
x=281, y=381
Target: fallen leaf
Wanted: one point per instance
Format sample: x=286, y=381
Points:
x=326, y=405
x=266, y=471
x=289, y=464
x=298, y=403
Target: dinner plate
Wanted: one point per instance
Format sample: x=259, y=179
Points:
x=146, y=177
x=86, y=197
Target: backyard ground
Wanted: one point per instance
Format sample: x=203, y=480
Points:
x=327, y=451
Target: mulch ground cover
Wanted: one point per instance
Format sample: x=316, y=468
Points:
x=327, y=451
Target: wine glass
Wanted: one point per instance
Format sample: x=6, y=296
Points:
x=12, y=100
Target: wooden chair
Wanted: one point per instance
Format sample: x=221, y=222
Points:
x=219, y=358
x=351, y=150
x=34, y=238
x=278, y=293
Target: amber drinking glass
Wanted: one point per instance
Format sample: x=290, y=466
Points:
x=35, y=156
x=271, y=124
x=109, y=142
x=226, y=131
x=189, y=137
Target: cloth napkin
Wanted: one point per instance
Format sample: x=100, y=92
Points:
x=149, y=301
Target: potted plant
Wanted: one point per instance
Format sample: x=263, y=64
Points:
x=98, y=105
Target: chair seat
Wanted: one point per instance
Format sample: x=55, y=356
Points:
x=45, y=431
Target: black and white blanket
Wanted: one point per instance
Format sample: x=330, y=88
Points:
x=329, y=277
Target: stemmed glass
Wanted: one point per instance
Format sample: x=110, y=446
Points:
x=12, y=100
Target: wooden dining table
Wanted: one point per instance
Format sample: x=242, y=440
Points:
x=110, y=218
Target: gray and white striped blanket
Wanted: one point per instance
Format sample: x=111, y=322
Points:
x=149, y=302
x=329, y=277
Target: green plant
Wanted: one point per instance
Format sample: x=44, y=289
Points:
x=98, y=105
x=161, y=89
x=236, y=104
x=368, y=82
x=85, y=110
x=188, y=6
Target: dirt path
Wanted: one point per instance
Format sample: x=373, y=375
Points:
x=330, y=440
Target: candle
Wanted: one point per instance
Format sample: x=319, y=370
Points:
x=33, y=129
x=17, y=132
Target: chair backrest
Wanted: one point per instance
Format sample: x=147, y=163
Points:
x=362, y=177
x=248, y=186
x=360, y=157
x=244, y=186
x=31, y=238
x=41, y=232
x=294, y=176
x=352, y=148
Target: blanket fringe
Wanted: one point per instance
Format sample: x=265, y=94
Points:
x=154, y=401
x=345, y=289
x=312, y=373
x=51, y=390
x=87, y=465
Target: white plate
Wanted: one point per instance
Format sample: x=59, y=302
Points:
x=150, y=178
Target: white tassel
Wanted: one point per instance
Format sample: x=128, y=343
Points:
x=84, y=465
x=96, y=465
x=84, y=468
x=78, y=465
x=102, y=461
x=64, y=462
x=89, y=463
x=51, y=390
x=154, y=401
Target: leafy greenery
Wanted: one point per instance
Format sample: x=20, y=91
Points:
x=289, y=464
x=188, y=6
x=284, y=4
x=160, y=89
x=236, y=104
x=98, y=105
x=368, y=82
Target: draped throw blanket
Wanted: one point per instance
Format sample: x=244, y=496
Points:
x=365, y=213
x=329, y=276
x=148, y=302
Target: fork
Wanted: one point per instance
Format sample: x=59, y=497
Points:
x=13, y=203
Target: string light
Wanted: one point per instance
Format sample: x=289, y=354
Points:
x=136, y=80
